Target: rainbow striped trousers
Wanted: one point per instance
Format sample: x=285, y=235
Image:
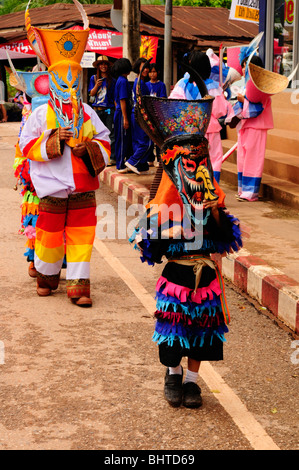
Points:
x=66, y=227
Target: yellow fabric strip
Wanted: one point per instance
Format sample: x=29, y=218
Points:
x=78, y=253
x=35, y=151
x=49, y=255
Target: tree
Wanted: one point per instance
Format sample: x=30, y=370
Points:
x=11, y=6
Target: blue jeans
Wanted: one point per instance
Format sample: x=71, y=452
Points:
x=122, y=140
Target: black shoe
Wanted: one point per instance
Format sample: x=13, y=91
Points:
x=192, y=395
x=173, y=389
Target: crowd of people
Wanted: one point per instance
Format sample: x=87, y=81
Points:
x=114, y=99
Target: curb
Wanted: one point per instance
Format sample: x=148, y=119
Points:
x=269, y=286
x=132, y=192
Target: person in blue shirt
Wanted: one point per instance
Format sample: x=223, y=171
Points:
x=101, y=90
x=155, y=86
x=142, y=144
x=121, y=69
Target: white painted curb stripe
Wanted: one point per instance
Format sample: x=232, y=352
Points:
x=252, y=429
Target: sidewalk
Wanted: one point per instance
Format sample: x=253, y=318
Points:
x=267, y=266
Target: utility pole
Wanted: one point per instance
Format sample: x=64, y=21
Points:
x=168, y=45
x=131, y=29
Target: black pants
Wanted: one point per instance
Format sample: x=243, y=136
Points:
x=171, y=356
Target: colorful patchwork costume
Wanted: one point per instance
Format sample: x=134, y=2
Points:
x=192, y=316
x=36, y=86
x=64, y=182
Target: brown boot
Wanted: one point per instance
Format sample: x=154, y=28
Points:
x=84, y=302
x=43, y=291
x=31, y=270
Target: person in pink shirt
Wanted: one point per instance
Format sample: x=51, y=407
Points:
x=221, y=107
x=255, y=120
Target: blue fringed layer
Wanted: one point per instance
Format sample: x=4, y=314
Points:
x=237, y=243
x=30, y=220
x=204, y=246
x=147, y=255
x=166, y=304
x=178, y=248
x=29, y=253
x=187, y=337
x=133, y=236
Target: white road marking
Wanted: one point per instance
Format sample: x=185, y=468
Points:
x=248, y=425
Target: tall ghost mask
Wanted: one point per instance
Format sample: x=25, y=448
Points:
x=178, y=127
x=66, y=97
x=188, y=165
x=34, y=84
x=61, y=52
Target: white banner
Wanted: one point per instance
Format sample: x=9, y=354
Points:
x=87, y=60
x=245, y=10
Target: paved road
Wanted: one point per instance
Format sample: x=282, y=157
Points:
x=90, y=379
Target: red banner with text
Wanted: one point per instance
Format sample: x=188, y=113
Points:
x=100, y=42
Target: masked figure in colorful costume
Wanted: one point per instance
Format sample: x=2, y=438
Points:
x=35, y=86
x=186, y=222
x=68, y=146
x=252, y=116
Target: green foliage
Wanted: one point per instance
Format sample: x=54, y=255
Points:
x=11, y=6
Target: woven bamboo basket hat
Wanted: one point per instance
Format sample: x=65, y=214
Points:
x=263, y=83
x=164, y=118
x=13, y=80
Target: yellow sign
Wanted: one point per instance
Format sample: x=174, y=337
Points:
x=245, y=10
x=247, y=14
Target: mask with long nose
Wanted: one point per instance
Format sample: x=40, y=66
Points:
x=66, y=97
